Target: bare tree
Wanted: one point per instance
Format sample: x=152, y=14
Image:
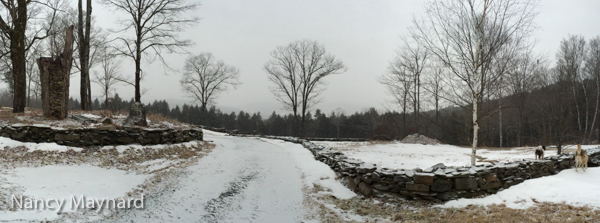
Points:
x=297, y=70
x=14, y=28
x=592, y=70
x=519, y=81
x=84, y=54
x=156, y=24
x=413, y=58
x=109, y=76
x=336, y=118
x=466, y=36
x=205, y=77
x=33, y=74
x=434, y=86
x=570, y=58
x=399, y=86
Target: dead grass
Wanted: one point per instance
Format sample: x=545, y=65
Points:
x=395, y=210
x=101, y=113
x=158, y=118
x=34, y=116
x=12, y=157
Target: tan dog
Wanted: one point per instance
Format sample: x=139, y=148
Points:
x=581, y=158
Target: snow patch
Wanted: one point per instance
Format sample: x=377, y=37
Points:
x=62, y=182
x=4, y=142
x=574, y=188
x=90, y=116
x=313, y=171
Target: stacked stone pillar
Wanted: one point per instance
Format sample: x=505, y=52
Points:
x=54, y=74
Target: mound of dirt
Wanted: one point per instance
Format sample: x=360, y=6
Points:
x=420, y=139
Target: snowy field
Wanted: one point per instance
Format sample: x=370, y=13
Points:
x=573, y=188
x=397, y=155
x=66, y=190
x=62, y=184
x=257, y=180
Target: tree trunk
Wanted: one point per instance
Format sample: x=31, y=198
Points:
x=203, y=114
x=17, y=48
x=295, y=127
x=500, y=123
x=475, y=131
x=138, y=60
x=84, y=55
x=55, y=72
x=106, y=98
x=302, y=121
x=29, y=92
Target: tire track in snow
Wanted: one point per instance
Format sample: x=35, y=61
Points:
x=216, y=206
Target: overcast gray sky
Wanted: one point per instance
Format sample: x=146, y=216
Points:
x=364, y=34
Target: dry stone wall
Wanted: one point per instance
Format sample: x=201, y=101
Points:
x=438, y=182
x=100, y=136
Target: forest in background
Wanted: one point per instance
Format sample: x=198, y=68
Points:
x=541, y=115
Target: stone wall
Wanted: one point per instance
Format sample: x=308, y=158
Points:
x=438, y=182
x=100, y=136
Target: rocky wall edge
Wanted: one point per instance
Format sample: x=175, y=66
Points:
x=99, y=136
x=438, y=182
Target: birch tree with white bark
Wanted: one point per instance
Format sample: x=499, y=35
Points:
x=466, y=36
x=592, y=70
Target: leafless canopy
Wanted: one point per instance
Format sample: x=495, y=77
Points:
x=109, y=75
x=155, y=24
x=205, y=77
x=467, y=36
x=404, y=77
x=297, y=70
x=19, y=30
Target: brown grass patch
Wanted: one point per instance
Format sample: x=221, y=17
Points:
x=158, y=118
x=11, y=157
x=396, y=210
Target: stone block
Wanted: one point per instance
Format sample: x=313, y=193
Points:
x=401, y=178
x=111, y=128
x=491, y=178
x=375, y=178
x=417, y=187
x=66, y=137
x=125, y=140
x=365, y=189
x=447, y=196
x=441, y=185
x=350, y=183
x=492, y=185
x=466, y=183
x=424, y=178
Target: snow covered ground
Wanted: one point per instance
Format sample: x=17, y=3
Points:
x=4, y=142
x=33, y=192
x=262, y=180
x=62, y=184
x=397, y=155
x=574, y=188
x=242, y=180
